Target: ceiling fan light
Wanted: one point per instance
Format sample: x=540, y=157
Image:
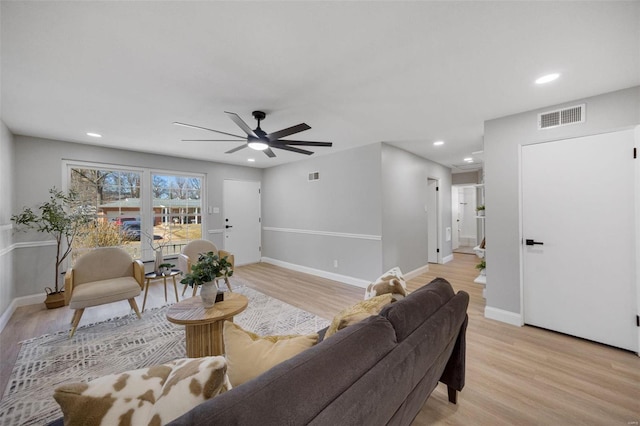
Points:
x=258, y=146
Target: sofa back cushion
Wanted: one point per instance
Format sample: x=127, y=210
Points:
x=102, y=264
x=297, y=390
x=409, y=313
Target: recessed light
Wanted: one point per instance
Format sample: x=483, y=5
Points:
x=94, y=135
x=251, y=160
x=469, y=160
x=438, y=143
x=547, y=78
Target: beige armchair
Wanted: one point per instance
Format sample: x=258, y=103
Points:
x=189, y=255
x=102, y=276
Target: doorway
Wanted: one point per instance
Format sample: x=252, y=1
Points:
x=242, y=227
x=579, y=243
x=465, y=230
x=433, y=224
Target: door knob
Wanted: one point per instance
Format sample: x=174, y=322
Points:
x=228, y=226
x=531, y=242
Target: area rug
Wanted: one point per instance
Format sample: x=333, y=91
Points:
x=123, y=344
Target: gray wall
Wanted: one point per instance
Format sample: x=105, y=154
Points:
x=7, y=292
x=38, y=167
x=502, y=141
x=345, y=200
x=372, y=191
x=404, y=197
x=467, y=178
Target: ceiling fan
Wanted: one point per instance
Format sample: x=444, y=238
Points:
x=258, y=139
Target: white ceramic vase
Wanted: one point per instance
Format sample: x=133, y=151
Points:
x=208, y=294
x=158, y=261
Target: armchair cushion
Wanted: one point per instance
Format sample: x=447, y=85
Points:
x=104, y=291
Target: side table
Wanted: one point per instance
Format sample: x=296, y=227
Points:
x=203, y=326
x=152, y=276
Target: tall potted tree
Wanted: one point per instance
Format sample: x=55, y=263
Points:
x=62, y=217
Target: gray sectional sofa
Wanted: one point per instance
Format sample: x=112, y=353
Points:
x=379, y=371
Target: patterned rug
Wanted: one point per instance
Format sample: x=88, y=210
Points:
x=122, y=344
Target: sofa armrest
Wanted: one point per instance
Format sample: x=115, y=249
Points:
x=138, y=272
x=454, y=373
x=68, y=286
x=230, y=257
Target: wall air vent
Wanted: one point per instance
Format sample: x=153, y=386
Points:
x=561, y=117
x=314, y=176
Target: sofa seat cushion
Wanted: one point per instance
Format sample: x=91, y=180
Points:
x=249, y=355
x=154, y=395
x=105, y=291
x=357, y=313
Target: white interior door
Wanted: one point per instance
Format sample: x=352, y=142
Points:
x=455, y=218
x=578, y=200
x=241, y=208
x=432, y=221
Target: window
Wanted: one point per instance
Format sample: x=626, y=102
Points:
x=138, y=210
x=177, y=211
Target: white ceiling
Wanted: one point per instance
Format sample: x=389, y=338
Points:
x=405, y=73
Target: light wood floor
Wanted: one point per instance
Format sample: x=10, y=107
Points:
x=515, y=375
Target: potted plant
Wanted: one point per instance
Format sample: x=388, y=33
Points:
x=204, y=272
x=482, y=266
x=480, y=210
x=62, y=217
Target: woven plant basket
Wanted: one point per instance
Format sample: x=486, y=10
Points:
x=54, y=300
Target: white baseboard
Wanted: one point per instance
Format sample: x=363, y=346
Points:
x=16, y=303
x=447, y=259
x=416, y=272
x=503, y=316
x=318, y=272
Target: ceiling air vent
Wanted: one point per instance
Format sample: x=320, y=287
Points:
x=314, y=176
x=561, y=117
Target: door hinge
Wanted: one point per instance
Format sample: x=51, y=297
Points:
x=637, y=320
x=259, y=191
x=437, y=188
x=259, y=220
x=260, y=248
x=437, y=250
x=635, y=152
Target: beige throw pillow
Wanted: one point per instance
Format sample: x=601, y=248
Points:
x=154, y=395
x=249, y=355
x=358, y=312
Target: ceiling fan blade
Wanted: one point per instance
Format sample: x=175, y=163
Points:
x=236, y=119
x=238, y=148
x=292, y=149
x=269, y=153
x=304, y=143
x=204, y=128
x=210, y=140
x=288, y=131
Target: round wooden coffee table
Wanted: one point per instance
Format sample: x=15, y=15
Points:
x=203, y=326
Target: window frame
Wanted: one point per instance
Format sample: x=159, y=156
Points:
x=146, y=195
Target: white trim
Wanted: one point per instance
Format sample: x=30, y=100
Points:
x=421, y=270
x=16, y=303
x=324, y=233
x=512, y=318
x=447, y=259
x=6, y=227
x=29, y=244
x=215, y=231
x=357, y=282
